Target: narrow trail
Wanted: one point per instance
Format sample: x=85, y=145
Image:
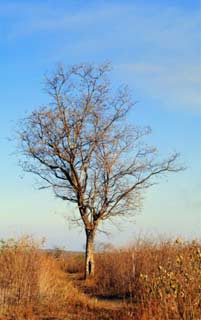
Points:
x=85, y=287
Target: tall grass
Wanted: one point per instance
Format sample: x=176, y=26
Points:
x=32, y=283
x=160, y=281
x=19, y=264
x=146, y=281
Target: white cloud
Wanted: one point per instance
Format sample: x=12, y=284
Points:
x=157, y=46
x=175, y=86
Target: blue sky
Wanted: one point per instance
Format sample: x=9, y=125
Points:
x=154, y=47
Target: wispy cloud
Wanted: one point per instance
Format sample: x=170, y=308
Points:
x=28, y=19
x=155, y=46
x=172, y=85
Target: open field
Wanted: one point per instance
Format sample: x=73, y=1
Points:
x=100, y=126
x=145, y=281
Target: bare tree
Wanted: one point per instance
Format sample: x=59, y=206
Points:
x=83, y=146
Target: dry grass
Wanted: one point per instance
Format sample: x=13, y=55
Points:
x=144, y=282
x=32, y=285
x=70, y=262
x=158, y=281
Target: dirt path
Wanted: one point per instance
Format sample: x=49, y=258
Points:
x=86, y=287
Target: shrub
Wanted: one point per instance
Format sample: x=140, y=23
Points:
x=32, y=283
x=158, y=280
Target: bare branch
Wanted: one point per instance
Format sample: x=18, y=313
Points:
x=83, y=146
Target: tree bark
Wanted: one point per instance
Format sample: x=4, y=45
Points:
x=89, y=254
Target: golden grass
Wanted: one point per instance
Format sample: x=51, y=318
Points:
x=32, y=285
x=147, y=281
x=158, y=281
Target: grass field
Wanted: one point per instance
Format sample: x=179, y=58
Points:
x=146, y=281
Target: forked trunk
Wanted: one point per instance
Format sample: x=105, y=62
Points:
x=89, y=255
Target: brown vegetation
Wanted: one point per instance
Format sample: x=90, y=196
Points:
x=146, y=281
x=32, y=284
x=159, y=281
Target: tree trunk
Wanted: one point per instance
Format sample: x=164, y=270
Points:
x=89, y=254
